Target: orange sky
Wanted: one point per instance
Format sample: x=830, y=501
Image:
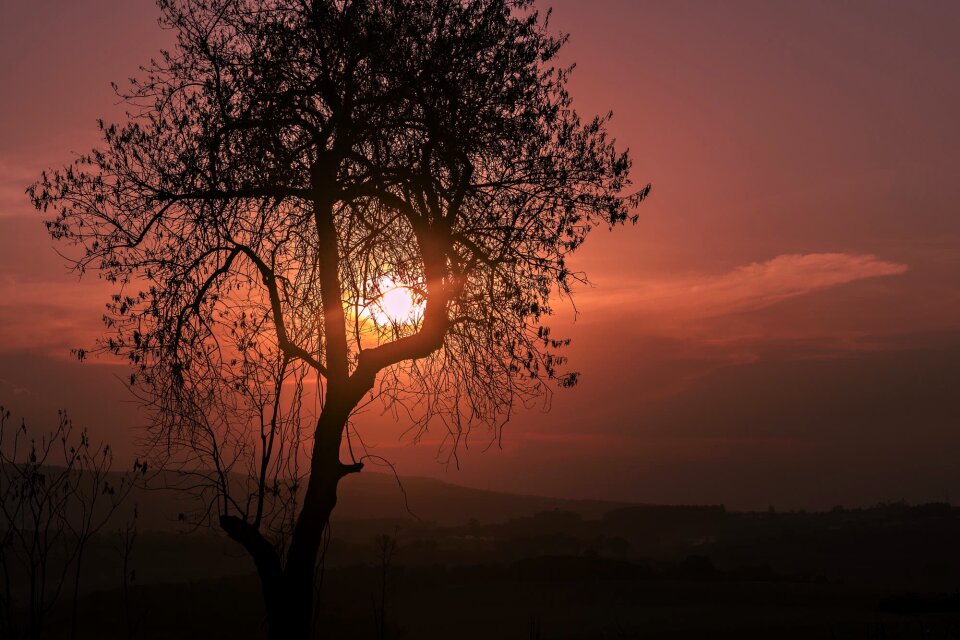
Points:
x=781, y=327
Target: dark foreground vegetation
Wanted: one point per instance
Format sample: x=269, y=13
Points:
x=572, y=570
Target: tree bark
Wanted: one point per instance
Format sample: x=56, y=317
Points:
x=300, y=570
x=269, y=569
x=288, y=587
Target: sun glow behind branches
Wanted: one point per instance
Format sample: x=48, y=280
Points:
x=393, y=303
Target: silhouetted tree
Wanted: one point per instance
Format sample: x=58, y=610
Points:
x=127, y=539
x=283, y=172
x=386, y=546
x=55, y=495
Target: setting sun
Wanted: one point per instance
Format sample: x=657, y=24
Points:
x=395, y=304
x=467, y=319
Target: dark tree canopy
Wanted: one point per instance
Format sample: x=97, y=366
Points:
x=281, y=170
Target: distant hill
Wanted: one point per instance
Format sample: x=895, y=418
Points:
x=376, y=495
x=367, y=495
x=364, y=496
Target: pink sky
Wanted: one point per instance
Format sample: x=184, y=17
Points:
x=782, y=326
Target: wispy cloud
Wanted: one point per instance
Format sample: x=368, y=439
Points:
x=23, y=166
x=48, y=317
x=754, y=286
x=53, y=316
x=15, y=177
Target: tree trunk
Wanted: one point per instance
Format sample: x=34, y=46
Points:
x=300, y=570
x=288, y=591
x=268, y=565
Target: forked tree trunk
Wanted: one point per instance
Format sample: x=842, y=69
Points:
x=288, y=588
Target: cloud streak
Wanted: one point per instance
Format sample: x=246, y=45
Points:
x=50, y=317
x=14, y=181
x=754, y=286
